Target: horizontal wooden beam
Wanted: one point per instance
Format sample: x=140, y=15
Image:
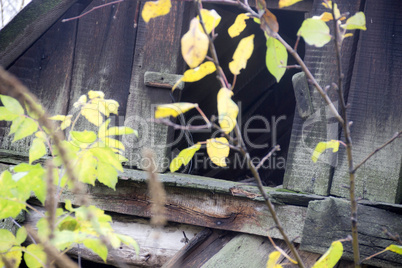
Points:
x=197, y=201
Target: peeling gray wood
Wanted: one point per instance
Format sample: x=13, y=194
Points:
x=329, y=220
x=161, y=80
x=301, y=173
x=28, y=26
x=157, y=50
x=302, y=95
x=157, y=245
x=375, y=108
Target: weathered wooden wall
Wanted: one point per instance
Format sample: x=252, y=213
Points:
x=317, y=123
x=375, y=100
x=104, y=51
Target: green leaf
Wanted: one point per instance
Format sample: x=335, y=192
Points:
x=37, y=150
x=16, y=124
x=11, y=201
x=31, y=178
x=86, y=167
x=84, y=136
x=21, y=235
x=331, y=257
x=6, y=114
x=395, y=248
x=315, y=32
x=68, y=205
x=276, y=58
x=40, y=257
x=107, y=175
x=107, y=156
x=25, y=128
x=322, y=146
x=97, y=246
x=14, y=256
x=184, y=157
x=127, y=240
x=103, y=128
x=116, y=131
x=7, y=240
x=65, y=238
x=357, y=21
x=12, y=105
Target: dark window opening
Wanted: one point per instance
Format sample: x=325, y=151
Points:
x=266, y=108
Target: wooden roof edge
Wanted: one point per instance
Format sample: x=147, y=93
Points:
x=28, y=25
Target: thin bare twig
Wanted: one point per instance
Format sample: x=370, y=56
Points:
x=181, y=127
x=396, y=135
x=276, y=148
x=92, y=9
x=348, y=139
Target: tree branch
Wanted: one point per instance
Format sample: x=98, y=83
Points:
x=396, y=135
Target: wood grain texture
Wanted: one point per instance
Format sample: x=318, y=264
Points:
x=301, y=173
x=157, y=246
x=329, y=220
x=157, y=50
x=375, y=107
x=104, y=54
x=28, y=26
x=46, y=69
x=201, y=206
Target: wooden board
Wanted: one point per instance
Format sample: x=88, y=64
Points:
x=104, y=54
x=375, y=107
x=46, y=69
x=197, y=204
x=301, y=173
x=28, y=26
x=329, y=220
x=157, y=50
x=157, y=246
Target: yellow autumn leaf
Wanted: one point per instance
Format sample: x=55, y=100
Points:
x=218, y=149
x=210, y=18
x=91, y=112
x=95, y=94
x=242, y=54
x=227, y=110
x=113, y=143
x=106, y=107
x=239, y=25
x=194, y=45
x=81, y=101
x=395, y=248
x=197, y=73
x=273, y=259
x=184, y=157
x=173, y=109
x=155, y=9
x=286, y=3
x=322, y=146
x=336, y=9
x=331, y=257
x=326, y=16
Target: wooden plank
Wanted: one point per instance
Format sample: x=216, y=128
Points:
x=197, y=206
x=329, y=220
x=157, y=50
x=104, y=54
x=375, y=107
x=301, y=173
x=157, y=246
x=28, y=26
x=46, y=69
